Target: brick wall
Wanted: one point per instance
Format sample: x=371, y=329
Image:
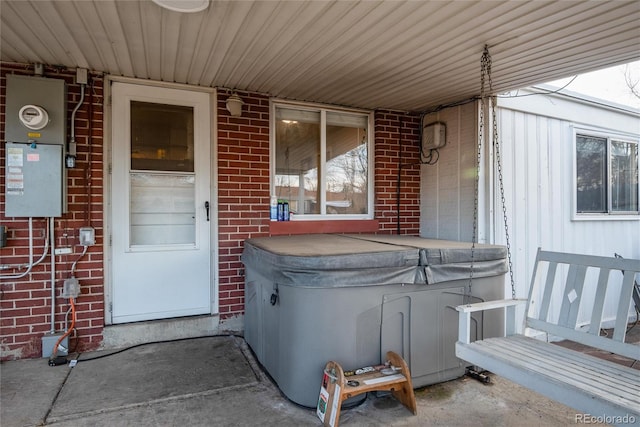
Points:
x=243, y=190
x=397, y=143
x=25, y=303
x=242, y=205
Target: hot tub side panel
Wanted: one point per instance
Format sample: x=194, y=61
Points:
x=323, y=324
x=262, y=321
x=421, y=324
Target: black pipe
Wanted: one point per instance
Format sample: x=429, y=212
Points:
x=399, y=179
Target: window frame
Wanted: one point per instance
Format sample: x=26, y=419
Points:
x=609, y=136
x=323, y=109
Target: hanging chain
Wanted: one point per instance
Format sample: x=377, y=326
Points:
x=502, y=198
x=486, y=76
x=496, y=145
x=485, y=63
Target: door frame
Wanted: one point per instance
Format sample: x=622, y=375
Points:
x=107, y=188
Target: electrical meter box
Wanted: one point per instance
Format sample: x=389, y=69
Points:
x=36, y=110
x=35, y=136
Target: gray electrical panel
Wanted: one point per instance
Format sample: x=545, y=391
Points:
x=35, y=136
x=34, y=180
x=50, y=96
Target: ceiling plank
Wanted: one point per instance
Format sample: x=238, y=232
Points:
x=401, y=55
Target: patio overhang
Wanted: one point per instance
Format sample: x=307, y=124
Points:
x=406, y=56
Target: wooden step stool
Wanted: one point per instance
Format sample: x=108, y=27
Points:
x=336, y=388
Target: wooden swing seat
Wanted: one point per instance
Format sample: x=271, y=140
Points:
x=594, y=386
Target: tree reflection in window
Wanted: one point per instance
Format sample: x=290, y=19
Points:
x=591, y=173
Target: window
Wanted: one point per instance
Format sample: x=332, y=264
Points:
x=322, y=162
x=606, y=175
x=162, y=175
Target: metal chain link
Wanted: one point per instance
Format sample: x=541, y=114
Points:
x=486, y=70
x=502, y=198
x=486, y=59
x=496, y=144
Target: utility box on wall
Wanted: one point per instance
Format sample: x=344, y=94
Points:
x=48, y=94
x=34, y=180
x=35, y=136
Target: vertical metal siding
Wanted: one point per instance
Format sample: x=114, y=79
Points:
x=446, y=204
x=537, y=166
x=538, y=178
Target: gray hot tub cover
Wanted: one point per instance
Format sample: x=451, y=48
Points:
x=324, y=260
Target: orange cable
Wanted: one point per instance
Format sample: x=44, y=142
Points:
x=66, y=334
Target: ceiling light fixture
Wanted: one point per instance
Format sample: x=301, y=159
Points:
x=183, y=6
x=234, y=105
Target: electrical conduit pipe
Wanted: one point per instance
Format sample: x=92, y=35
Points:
x=30, y=264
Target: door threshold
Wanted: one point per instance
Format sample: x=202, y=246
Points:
x=128, y=334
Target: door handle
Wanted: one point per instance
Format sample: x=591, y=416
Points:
x=206, y=207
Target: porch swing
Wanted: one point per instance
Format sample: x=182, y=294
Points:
x=601, y=389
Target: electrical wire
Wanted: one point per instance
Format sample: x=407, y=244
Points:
x=122, y=350
x=429, y=159
x=102, y=356
x=73, y=267
x=54, y=353
x=89, y=172
x=399, y=181
x=545, y=91
x=30, y=264
x=449, y=105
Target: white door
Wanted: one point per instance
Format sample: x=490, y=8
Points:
x=161, y=212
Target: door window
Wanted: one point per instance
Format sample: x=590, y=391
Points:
x=162, y=175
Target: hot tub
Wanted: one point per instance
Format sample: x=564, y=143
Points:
x=351, y=298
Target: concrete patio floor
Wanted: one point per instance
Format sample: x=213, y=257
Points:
x=216, y=381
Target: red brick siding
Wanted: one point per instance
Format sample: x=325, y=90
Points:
x=397, y=143
x=25, y=303
x=243, y=191
x=242, y=206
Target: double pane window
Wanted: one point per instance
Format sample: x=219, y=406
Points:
x=322, y=162
x=606, y=175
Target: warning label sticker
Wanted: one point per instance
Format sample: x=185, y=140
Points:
x=14, y=156
x=15, y=181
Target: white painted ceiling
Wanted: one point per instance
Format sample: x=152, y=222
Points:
x=404, y=55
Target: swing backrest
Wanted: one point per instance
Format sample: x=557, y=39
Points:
x=559, y=284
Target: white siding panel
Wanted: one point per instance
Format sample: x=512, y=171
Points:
x=467, y=149
x=90, y=35
x=29, y=40
x=537, y=165
x=539, y=190
x=113, y=25
x=447, y=198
